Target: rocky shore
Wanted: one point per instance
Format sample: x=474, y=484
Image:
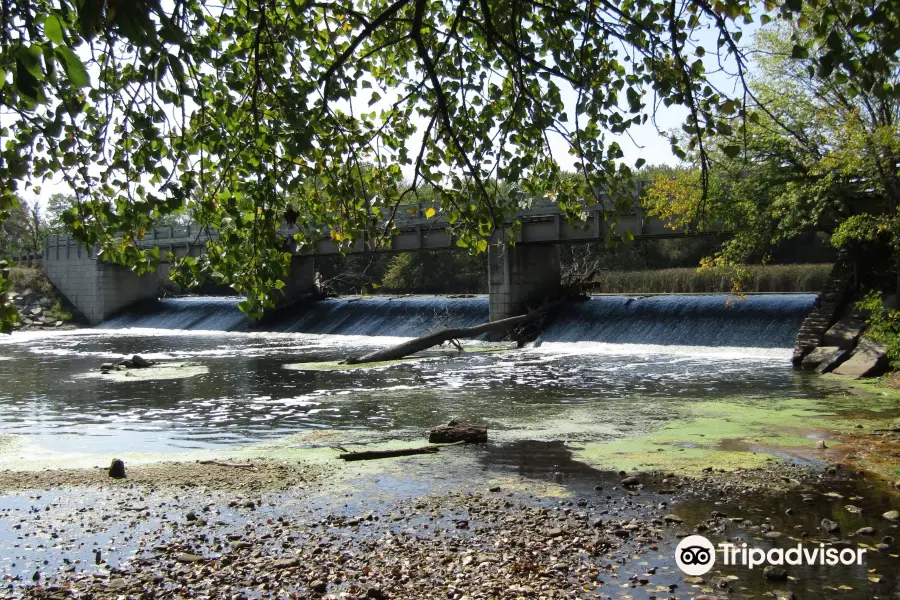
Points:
x=285, y=530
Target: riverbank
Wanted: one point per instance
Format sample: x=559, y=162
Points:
x=393, y=531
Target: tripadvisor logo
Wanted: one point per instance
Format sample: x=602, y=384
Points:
x=695, y=555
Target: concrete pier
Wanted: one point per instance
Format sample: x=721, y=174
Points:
x=521, y=275
x=97, y=289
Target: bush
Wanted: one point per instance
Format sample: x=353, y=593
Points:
x=25, y=278
x=883, y=325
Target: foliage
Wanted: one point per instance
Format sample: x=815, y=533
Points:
x=234, y=107
x=759, y=278
x=821, y=148
x=30, y=278
x=883, y=325
x=436, y=272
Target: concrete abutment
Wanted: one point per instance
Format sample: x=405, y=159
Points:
x=519, y=276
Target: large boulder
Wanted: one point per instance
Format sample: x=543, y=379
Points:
x=868, y=360
x=825, y=359
x=844, y=333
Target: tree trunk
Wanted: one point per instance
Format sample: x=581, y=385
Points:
x=445, y=335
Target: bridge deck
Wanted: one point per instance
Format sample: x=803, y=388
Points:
x=542, y=224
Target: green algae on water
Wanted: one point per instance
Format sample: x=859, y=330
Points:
x=156, y=372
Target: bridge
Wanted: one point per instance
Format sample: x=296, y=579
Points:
x=517, y=274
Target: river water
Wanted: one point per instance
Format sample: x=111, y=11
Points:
x=612, y=367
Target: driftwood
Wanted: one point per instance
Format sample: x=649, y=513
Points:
x=217, y=463
x=457, y=432
x=376, y=454
x=447, y=335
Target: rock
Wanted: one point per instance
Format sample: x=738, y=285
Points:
x=457, y=432
x=773, y=573
x=830, y=356
x=830, y=526
x=495, y=488
x=673, y=519
x=844, y=333
x=139, y=362
x=191, y=516
x=107, y=367
x=866, y=531
x=772, y=535
x=630, y=481
x=853, y=509
x=892, y=515
x=286, y=563
x=186, y=558
x=868, y=360
x=374, y=593
x=820, y=445
x=784, y=595
x=318, y=586
x=117, y=469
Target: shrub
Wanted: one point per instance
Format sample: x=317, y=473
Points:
x=24, y=278
x=883, y=325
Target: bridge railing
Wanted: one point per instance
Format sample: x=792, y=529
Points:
x=413, y=221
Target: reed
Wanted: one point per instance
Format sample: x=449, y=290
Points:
x=762, y=278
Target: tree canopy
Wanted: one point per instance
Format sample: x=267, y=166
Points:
x=251, y=113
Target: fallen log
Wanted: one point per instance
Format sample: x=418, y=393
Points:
x=446, y=335
x=455, y=432
x=376, y=454
x=217, y=463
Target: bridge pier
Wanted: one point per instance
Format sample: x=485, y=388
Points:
x=301, y=281
x=521, y=275
x=97, y=289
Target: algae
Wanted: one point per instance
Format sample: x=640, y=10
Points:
x=156, y=372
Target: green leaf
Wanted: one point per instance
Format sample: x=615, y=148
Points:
x=53, y=29
x=799, y=52
x=731, y=151
x=75, y=70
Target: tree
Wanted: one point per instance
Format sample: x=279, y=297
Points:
x=821, y=149
x=233, y=106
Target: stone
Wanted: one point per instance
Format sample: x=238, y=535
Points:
x=185, y=557
x=830, y=526
x=821, y=445
x=117, y=468
x=630, y=481
x=139, y=362
x=673, y=519
x=844, y=334
x=866, y=531
x=892, y=515
x=318, y=586
x=374, y=593
x=772, y=535
x=868, y=360
x=829, y=356
x=773, y=573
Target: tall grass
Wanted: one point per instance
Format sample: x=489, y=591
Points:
x=762, y=278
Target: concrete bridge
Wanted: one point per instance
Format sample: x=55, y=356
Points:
x=517, y=274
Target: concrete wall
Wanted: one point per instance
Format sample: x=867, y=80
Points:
x=97, y=289
x=521, y=275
